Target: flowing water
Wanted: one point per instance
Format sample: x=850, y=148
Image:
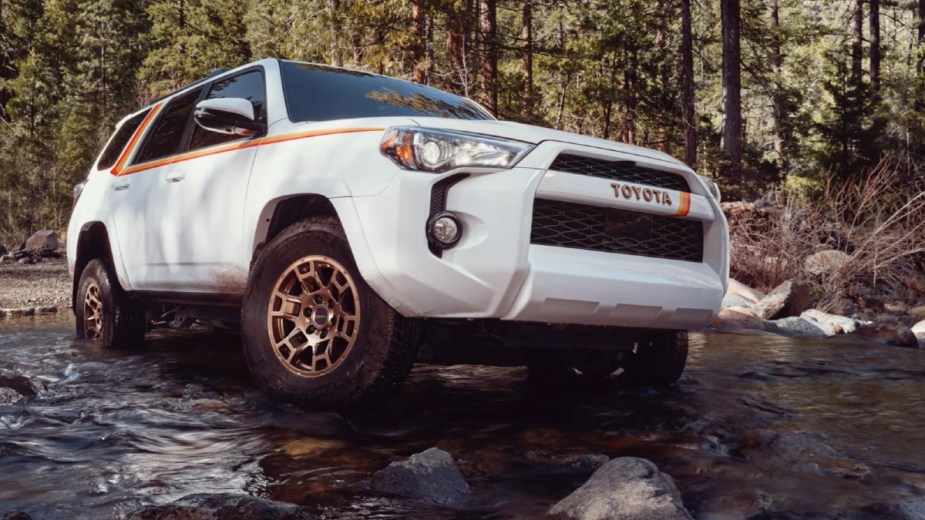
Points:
x=116, y=430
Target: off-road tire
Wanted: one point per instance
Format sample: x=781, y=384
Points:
x=372, y=369
x=657, y=362
x=121, y=320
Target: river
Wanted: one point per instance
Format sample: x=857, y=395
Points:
x=759, y=425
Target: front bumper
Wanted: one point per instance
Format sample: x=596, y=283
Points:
x=494, y=271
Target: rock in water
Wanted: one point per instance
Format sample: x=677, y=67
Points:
x=19, y=383
x=790, y=298
x=919, y=330
x=795, y=327
x=831, y=324
x=735, y=318
x=430, y=475
x=221, y=506
x=45, y=239
x=889, y=333
x=627, y=488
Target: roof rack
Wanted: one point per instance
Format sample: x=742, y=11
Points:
x=215, y=72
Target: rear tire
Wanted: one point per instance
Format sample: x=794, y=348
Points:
x=104, y=312
x=314, y=333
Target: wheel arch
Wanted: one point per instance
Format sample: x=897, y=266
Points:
x=280, y=213
x=92, y=242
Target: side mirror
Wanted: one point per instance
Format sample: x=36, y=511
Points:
x=231, y=116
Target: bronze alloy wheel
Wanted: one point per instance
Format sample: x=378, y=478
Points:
x=314, y=316
x=93, y=312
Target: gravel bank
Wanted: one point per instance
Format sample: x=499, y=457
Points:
x=38, y=285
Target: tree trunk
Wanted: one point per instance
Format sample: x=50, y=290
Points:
x=732, y=86
x=527, y=36
x=419, y=47
x=874, y=46
x=336, y=58
x=921, y=62
x=857, y=49
x=688, y=110
x=777, y=59
x=489, y=30
x=630, y=86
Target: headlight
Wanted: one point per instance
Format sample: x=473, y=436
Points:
x=712, y=188
x=440, y=150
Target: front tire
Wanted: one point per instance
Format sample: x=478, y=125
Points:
x=104, y=312
x=314, y=333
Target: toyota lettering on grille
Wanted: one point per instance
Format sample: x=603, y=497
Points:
x=650, y=195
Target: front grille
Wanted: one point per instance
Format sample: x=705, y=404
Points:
x=593, y=228
x=626, y=171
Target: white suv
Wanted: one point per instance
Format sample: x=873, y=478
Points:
x=352, y=223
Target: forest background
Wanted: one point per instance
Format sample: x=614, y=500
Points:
x=779, y=96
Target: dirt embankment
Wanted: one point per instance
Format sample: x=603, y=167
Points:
x=38, y=287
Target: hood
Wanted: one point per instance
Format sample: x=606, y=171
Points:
x=537, y=134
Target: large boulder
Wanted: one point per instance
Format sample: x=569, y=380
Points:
x=826, y=261
x=45, y=239
x=221, y=506
x=794, y=326
x=831, y=324
x=737, y=318
x=740, y=295
x=627, y=488
x=431, y=476
x=889, y=333
x=790, y=298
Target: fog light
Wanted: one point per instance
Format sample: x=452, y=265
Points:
x=444, y=229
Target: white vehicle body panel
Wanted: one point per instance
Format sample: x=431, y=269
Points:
x=200, y=234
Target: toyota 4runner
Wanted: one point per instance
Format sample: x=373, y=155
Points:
x=352, y=223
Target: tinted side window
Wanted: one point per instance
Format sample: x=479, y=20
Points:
x=320, y=93
x=125, y=132
x=166, y=137
x=248, y=86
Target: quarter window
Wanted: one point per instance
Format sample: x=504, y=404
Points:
x=248, y=86
x=119, y=139
x=166, y=138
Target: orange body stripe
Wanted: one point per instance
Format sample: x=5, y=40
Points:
x=117, y=169
x=240, y=146
x=685, y=205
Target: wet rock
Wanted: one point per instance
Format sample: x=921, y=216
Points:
x=16, y=514
x=737, y=318
x=794, y=326
x=20, y=383
x=45, y=239
x=790, y=298
x=431, y=476
x=221, y=506
x=826, y=261
x=740, y=295
x=627, y=488
x=831, y=324
x=9, y=396
x=889, y=333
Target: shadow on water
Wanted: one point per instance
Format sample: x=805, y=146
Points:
x=759, y=426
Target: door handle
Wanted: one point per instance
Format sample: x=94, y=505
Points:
x=119, y=185
x=176, y=176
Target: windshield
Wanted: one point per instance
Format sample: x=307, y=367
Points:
x=320, y=93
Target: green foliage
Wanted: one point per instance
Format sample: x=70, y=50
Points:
x=70, y=69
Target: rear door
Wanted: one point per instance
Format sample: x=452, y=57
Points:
x=139, y=201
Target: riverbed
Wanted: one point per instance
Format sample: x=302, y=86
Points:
x=759, y=426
